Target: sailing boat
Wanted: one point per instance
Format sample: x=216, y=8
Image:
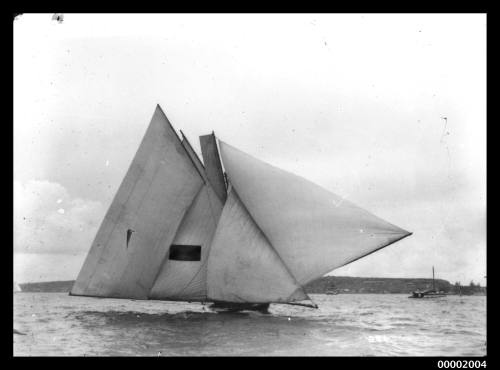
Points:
x=429, y=293
x=182, y=229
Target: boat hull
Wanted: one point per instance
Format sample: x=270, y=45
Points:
x=421, y=295
x=227, y=307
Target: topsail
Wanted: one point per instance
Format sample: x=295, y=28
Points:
x=179, y=228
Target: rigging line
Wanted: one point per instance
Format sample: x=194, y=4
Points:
x=220, y=161
x=226, y=180
x=179, y=140
x=184, y=137
x=194, y=165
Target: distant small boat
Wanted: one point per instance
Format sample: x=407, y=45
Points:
x=332, y=292
x=429, y=293
x=17, y=288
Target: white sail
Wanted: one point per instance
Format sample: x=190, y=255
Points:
x=187, y=280
x=169, y=235
x=313, y=230
x=243, y=266
x=142, y=221
x=213, y=166
x=194, y=158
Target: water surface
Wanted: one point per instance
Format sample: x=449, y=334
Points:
x=344, y=325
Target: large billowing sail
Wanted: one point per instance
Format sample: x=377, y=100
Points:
x=142, y=221
x=243, y=266
x=186, y=278
x=173, y=232
x=313, y=230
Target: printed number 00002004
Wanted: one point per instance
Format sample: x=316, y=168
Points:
x=461, y=364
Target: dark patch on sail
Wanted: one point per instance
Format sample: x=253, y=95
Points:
x=129, y=234
x=185, y=252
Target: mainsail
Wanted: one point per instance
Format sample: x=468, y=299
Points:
x=174, y=231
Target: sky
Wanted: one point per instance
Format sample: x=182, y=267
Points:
x=387, y=110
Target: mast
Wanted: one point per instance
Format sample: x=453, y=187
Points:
x=433, y=285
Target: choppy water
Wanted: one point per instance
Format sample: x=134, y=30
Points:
x=344, y=325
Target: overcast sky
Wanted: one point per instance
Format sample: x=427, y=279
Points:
x=355, y=103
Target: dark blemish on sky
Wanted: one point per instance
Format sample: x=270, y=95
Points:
x=445, y=133
x=129, y=234
x=58, y=17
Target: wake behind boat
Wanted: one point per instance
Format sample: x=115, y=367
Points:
x=182, y=229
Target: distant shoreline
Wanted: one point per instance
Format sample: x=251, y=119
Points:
x=371, y=285
x=324, y=285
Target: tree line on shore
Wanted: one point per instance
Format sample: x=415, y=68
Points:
x=346, y=284
x=327, y=284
